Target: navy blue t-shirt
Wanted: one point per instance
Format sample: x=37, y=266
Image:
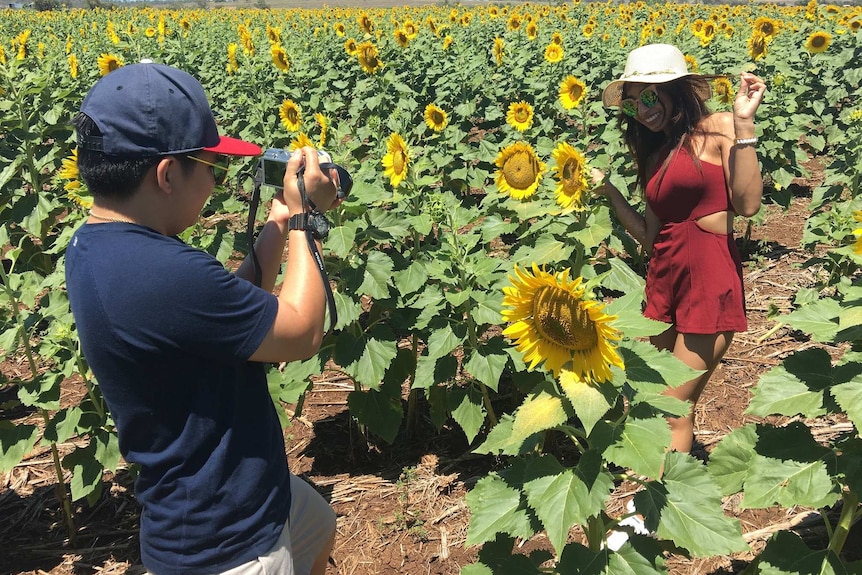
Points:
x=168, y=331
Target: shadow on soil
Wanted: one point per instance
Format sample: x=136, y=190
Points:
x=33, y=525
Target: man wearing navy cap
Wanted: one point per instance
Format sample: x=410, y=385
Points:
x=178, y=344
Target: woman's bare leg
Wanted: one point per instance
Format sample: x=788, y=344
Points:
x=702, y=352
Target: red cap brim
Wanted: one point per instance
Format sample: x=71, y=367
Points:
x=235, y=147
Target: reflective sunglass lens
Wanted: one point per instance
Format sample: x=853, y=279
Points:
x=629, y=108
x=649, y=97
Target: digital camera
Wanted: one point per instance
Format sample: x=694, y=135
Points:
x=274, y=162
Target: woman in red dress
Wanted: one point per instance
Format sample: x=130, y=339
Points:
x=698, y=170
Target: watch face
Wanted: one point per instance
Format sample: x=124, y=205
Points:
x=319, y=225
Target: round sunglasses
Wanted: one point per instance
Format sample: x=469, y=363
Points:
x=648, y=97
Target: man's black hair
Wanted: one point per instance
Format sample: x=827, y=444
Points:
x=115, y=177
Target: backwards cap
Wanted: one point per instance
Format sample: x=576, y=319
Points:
x=151, y=109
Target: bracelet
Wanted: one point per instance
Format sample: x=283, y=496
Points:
x=746, y=141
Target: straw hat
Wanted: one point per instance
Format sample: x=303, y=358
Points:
x=653, y=64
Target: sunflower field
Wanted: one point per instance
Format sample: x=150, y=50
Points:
x=477, y=280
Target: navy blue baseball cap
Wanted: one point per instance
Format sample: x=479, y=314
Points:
x=149, y=109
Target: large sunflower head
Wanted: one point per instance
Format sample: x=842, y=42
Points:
x=572, y=91
x=519, y=170
x=108, y=63
x=553, y=53
x=401, y=37
x=368, y=57
x=551, y=321
x=340, y=29
x=396, y=160
x=324, y=127
x=520, y=115
x=435, y=118
x=571, y=176
x=532, y=30
x=818, y=42
x=291, y=115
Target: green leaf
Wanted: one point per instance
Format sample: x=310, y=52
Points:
x=486, y=365
x=411, y=279
x=341, y=240
x=487, y=307
x=630, y=320
x=787, y=554
x=495, y=507
x=790, y=470
x=597, y=229
x=43, y=391
x=431, y=371
x=468, y=410
x=685, y=507
x=443, y=341
x=623, y=278
x=378, y=411
x=793, y=387
x=561, y=497
x=639, y=558
x=639, y=444
x=541, y=410
x=16, y=441
x=591, y=401
x=378, y=275
x=372, y=366
x=849, y=397
x=579, y=560
x=86, y=471
x=730, y=461
x=647, y=366
x=819, y=319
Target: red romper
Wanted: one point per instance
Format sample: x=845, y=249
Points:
x=694, y=279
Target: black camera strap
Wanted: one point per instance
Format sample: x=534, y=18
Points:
x=315, y=253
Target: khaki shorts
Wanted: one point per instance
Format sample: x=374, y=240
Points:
x=309, y=527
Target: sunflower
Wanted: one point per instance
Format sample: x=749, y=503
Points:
x=108, y=63
x=324, y=127
x=572, y=91
x=532, y=31
x=301, y=141
x=401, y=37
x=232, y=64
x=291, y=115
x=553, y=53
x=75, y=191
x=351, y=47
x=150, y=32
x=396, y=160
x=368, y=57
x=571, y=176
x=410, y=29
x=818, y=42
x=365, y=23
x=767, y=27
x=520, y=115
x=691, y=62
x=722, y=89
x=557, y=38
x=551, y=321
x=435, y=118
x=279, y=57
x=519, y=170
x=514, y=23
x=339, y=28
x=757, y=46
x=447, y=42
x=498, y=50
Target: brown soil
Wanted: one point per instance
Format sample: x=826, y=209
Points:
x=401, y=508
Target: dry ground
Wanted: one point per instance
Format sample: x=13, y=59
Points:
x=401, y=508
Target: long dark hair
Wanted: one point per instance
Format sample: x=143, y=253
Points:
x=688, y=96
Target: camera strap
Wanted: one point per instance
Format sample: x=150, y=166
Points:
x=315, y=253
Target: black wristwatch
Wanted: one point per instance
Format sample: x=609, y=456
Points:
x=312, y=221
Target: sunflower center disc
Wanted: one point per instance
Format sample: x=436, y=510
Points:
x=520, y=170
x=559, y=318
